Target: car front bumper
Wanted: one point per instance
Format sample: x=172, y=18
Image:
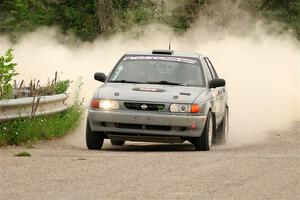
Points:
x=146, y=123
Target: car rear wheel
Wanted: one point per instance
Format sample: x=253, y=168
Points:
x=223, y=129
x=204, y=142
x=117, y=142
x=94, y=140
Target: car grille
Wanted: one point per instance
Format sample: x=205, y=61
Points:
x=144, y=106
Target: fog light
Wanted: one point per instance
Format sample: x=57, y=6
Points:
x=193, y=125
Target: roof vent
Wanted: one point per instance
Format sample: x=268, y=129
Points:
x=158, y=51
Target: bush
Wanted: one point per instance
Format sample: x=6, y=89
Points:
x=61, y=86
x=7, y=73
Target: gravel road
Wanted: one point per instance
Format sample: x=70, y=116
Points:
x=65, y=169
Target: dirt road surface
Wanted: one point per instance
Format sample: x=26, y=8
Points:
x=65, y=169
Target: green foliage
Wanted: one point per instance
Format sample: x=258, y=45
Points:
x=61, y=86
x=78, y=17
x=24, y=130
x=287, y=11
x=81, y=17
x=20, y=16
x=185, y=13
x=134, y=13
x=71, y=16
x=7, y=73
x=23, y=154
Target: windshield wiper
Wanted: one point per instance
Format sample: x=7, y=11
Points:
x=166, y=83
x=125, y=81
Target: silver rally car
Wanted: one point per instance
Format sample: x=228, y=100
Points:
x=159, y=96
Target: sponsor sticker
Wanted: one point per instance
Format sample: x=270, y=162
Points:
x=148, y=89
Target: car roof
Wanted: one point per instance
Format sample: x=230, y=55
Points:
x=166, y=53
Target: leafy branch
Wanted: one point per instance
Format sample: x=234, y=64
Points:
x=7, y=73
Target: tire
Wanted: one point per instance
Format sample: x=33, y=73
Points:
x=204, y=142
x=94, y=140
x=117, y=142
x=223, y=130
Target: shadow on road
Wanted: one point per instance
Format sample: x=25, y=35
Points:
x=150, y=147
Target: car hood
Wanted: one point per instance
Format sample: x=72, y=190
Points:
x=148, y=93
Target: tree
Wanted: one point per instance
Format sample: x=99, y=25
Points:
x=105, y=15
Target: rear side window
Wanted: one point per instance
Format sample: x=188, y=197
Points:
x=211, y=68
x=207, y=71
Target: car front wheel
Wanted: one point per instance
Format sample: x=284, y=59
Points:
x=204, y=142
x=94, y=140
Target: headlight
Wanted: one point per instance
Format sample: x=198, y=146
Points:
x=105, y=104
x=184, y=108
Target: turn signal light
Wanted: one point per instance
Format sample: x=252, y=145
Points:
x=95, y=103
x=195, y=108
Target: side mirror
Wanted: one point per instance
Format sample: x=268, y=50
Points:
x=216, y=83
x=100, y=77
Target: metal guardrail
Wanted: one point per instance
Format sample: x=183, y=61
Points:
x=32, y=106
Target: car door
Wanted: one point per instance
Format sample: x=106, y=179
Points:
x=213, y=91
x=221, y=93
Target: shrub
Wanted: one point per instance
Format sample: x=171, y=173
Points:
x=61, y=86
x=7, y=73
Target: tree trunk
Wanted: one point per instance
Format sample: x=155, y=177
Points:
x=105, y=15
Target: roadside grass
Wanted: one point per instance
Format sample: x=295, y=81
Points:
x=29, y=130
x=23, y=154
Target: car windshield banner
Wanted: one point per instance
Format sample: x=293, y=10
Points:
x=162, y=58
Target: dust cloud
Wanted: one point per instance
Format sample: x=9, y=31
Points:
x=262, y=70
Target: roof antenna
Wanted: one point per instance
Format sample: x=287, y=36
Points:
x=170, y=38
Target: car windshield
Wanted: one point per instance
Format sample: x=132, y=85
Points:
x=158, y=70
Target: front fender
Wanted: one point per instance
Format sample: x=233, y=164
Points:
x=206, y=102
